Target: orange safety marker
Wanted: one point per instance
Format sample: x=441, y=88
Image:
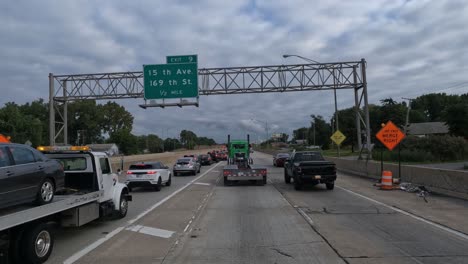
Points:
x=387, y=181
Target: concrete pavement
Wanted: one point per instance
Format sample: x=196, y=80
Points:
x=355, y=223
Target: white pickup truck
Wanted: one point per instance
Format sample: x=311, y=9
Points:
x=91, y=191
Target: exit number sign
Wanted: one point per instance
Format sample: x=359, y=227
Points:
x=178, y=80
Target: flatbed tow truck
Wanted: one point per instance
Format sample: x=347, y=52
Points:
x=91, y=192
x=240, y=165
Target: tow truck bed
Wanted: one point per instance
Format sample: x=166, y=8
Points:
x=14, y=217
x=253, y=172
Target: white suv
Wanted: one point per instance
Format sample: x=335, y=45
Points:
x=148, y=174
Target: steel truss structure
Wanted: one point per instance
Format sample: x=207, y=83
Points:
x=214, y=81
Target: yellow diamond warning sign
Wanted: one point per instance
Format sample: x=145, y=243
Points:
x=390, y=135
x=338, y=137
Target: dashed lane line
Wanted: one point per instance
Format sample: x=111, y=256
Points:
x=100, y=241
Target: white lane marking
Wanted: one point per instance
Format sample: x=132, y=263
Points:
x=202, y=183
x=452, y=231
x=150, y=231
x=100, y=241
x=95, y=244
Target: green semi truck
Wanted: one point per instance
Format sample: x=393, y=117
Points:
x=240, y=165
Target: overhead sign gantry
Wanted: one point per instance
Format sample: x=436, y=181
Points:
x=209, y=81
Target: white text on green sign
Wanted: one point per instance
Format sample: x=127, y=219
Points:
x=170, y=81
x=182, y=59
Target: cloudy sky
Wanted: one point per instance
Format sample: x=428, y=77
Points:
x=411, y=48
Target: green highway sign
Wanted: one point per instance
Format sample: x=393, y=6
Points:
x=182, y=59
x=163, y=81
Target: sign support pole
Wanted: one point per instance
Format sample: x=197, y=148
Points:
x=399, y=161
x=381, y=161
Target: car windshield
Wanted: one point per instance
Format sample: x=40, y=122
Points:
x=308, y=157
x=282, y=155
x=239, y=146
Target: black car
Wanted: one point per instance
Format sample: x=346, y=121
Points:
x=27, y=175
x=205, y=159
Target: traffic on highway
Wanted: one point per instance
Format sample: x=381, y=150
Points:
x=234, y=132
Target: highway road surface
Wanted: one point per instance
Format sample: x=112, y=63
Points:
x=198, y=220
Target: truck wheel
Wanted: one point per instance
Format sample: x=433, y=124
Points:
x=46, y=192
x=330, y=185
x=297, y=184
x=169, y=182
x=157, y=187
x=123, y=207
x=287, y=178
x=37, y=244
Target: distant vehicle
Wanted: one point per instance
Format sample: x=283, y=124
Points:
x=196, y=158
x=240, y=165
x=205, y=159
x=309, y=167
x=279, y=159
x=186, y=165
x=213, y=156
x=26, y=175
x=148, y=174
x=221, y=155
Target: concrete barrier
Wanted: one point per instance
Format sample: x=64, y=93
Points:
x=449, y=182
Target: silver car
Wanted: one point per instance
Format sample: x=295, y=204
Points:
x=186, y=165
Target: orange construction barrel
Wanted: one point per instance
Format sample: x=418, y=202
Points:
x=387, y=180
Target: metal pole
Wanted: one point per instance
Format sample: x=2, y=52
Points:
x=356, y=109
x=366, y=109
x=314, y=133
x=336, y=111
x=399, y=161
x=51, y=110
x=381, y=161
x=65, y=114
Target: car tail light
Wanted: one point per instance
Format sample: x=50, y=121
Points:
x=263, y=172
x=151, y=172
x=129, y=172
x=226, y=173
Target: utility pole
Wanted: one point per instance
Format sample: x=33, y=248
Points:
x=407, y=113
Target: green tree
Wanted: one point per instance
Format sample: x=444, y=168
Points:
x=322, y=131
x=456, y=117
x=433, y=105
x=171, y=144
x=188, y=139
x=125, y=140
x=300, y=133
x=85, y=122
x=114, y=117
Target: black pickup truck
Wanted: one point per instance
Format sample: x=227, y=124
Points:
x=309, y=167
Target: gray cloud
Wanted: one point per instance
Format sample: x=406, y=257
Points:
x=411, y=47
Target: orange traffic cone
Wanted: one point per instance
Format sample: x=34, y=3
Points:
x=387, y=181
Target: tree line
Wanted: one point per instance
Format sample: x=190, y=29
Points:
x=89, y=123
x=436, y=107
